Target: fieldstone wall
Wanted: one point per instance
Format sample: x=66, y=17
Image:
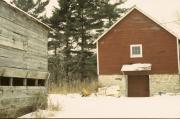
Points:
x=164, y=83
x=113, y=85
x=117, y=85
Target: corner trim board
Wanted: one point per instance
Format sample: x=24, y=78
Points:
x=178, y=58
x=97, y=50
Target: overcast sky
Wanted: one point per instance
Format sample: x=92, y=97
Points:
x=164, y=10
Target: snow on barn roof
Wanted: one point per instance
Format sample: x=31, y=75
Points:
x=28, y=15
x=171, y=27
x=136, y=67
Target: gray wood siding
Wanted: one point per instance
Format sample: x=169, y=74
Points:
x=23, y=42
x=17, y=101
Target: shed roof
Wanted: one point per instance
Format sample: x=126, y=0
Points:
x=172, y=28
x=28, y=15
x=136, y=67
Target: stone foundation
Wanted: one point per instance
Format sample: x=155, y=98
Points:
x=164, y=83
x=118, y=81
x=158, y=83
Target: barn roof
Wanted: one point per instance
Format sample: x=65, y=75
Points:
x=28, y=15
x=172, y=28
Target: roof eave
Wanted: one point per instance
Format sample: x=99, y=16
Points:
x=30, y=16
x=114, y=25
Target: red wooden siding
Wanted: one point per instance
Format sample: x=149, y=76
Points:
x=159, y=46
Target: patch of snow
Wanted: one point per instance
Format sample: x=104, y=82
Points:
x=136, y=67
x=39, y=114
x=75, y=106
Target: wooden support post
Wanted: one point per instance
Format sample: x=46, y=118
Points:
x=25, y=82
x=11, y=81
x=36, y=82
x=47, y=85
x=0, y=81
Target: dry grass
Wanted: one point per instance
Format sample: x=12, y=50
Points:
x=75, y=86
x=85, y=88
x=52, y=106
x=40, y=101
x=38, y=114
x=49, y=111
x=8, y=114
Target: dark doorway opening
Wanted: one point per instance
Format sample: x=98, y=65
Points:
x=138, y=86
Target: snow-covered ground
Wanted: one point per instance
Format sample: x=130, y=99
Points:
x=75, y=106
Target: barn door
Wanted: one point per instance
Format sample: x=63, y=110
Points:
x=138, y=86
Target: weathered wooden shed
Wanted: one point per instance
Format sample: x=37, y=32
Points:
x=23, y=61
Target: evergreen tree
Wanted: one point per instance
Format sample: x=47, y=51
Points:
x=111, y=12
x=87, y=19
x=32, y=7
x=63, y=22
x=76, y=20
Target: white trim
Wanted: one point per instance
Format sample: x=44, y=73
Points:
x=97, y=50
x=153, y=19
x=28, y=15
x=134, y=55
x=178, y=58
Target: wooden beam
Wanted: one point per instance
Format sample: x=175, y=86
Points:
x=37, y=75
x=14, y=72
x=23, y=73
x=1, y=72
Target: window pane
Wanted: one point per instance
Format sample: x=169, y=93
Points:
x=133, y=50
x=136, y=50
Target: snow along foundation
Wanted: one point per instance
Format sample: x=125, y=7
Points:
x=118, y=84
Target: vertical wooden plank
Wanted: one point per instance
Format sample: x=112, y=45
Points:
x=25, y=82
x=178, y=55
x=0, y=80
x=36, y=82
x=47, y=82
x=11, y=82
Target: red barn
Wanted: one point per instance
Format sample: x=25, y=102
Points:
x=140, y=55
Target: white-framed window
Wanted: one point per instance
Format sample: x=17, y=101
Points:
x=136, y=51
